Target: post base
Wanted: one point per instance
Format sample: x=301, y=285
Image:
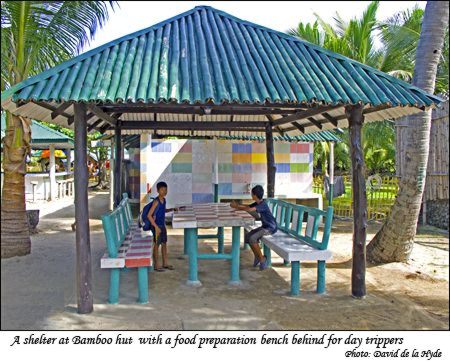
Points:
x=194, y=283
x=235, y=283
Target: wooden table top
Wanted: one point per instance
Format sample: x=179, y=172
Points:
x=208, y=215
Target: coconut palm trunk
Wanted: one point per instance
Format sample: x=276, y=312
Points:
x=15, y=235
x=394, y=241
x=35, y=35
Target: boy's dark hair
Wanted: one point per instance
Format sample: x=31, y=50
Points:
x=161, y=185
x=258, y=191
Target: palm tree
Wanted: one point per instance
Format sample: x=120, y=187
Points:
x=35, y=35
x=354, y=39
x=394, y=242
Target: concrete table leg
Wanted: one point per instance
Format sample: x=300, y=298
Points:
x=192, y=248
x=235, y=245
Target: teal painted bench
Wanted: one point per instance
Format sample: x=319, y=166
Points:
x=297, y=241
x=127, y=247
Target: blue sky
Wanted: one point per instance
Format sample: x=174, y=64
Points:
x=279, y=15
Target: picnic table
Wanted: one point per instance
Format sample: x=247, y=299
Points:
x=211, y=215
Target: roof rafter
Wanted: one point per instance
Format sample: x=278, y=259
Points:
x=315, y=122
x=60, y=109
x=102, y=115
x=47, y=106
x=305, y=114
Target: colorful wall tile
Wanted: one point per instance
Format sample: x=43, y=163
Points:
x=187, y=167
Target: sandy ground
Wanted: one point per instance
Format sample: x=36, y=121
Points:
x=38, y=291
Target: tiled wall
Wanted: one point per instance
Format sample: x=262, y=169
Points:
x=187, y=167
x=133, y=179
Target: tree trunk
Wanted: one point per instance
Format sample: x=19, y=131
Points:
x=15, y=234
x=102, y=175
x=271, y=169
x=394, y=241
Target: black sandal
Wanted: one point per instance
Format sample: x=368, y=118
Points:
x=159, y=269
x=169, y=267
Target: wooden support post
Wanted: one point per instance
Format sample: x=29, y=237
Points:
x=330, y=198
x=117, y=166
x=83, y=246
x=111, y=177
x=271, y=169
x=355, y=120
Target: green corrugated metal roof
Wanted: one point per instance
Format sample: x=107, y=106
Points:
x=208, y=56
x=321, y=136
x=41, y=134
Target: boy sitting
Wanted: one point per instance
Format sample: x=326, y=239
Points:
x=268, y=227
x=157, y=218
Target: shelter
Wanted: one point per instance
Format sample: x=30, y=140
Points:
x=205, y=73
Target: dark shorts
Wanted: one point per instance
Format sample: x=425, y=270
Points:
x=254, y=235
x=162, y=237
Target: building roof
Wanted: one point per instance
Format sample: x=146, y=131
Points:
x=42, y=136
x=208, y=57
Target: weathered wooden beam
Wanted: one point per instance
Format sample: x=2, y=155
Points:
x=83, y=245
x=199, y=125
x=200, y=109
x=298, y=126
x=305, y=114
x=102, y=115
x=315, y=123
x=104, y=128
x=271, y=169
x=52, y=108
x=60, y=109
x=330, y=118
x=355, y=120
x=117, y=165
x=94, y=124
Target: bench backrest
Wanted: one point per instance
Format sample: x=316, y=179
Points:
x=126, y=201
x=291, y=219
x=115, y=226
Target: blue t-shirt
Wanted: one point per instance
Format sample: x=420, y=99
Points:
x=159, y=215
x=267, y=219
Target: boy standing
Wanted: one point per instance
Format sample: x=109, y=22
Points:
x=157, y=218
x=268, y=227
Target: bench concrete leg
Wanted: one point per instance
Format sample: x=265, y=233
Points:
x=268, y=254
x=321, y=276
x=295, y=278
x=220, y=240
x=235, y=244
x=114, y=282
x=142, y=284
x=192, y=248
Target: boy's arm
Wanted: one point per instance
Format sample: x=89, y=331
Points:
x=238, y=206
